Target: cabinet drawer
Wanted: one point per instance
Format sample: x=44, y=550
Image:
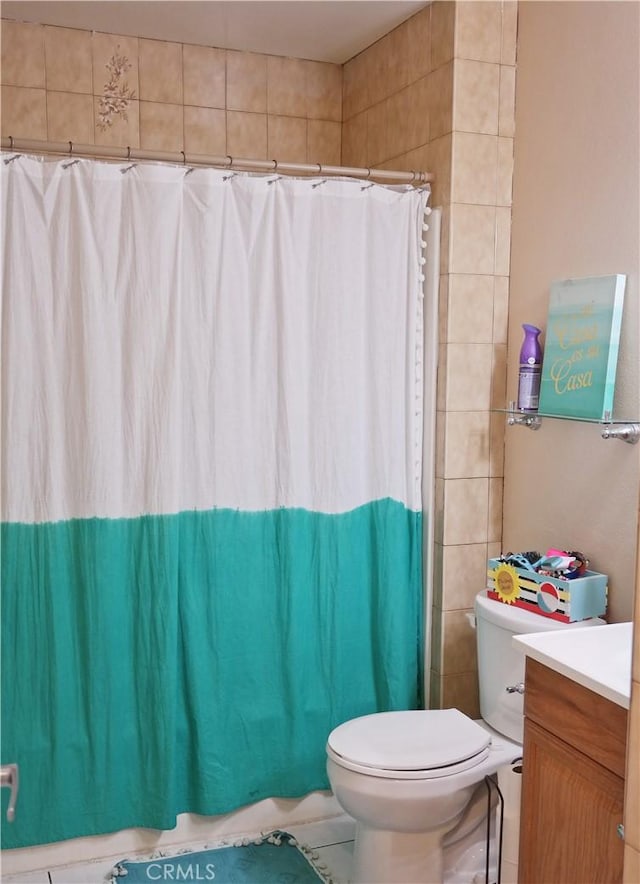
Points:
x=583, y=719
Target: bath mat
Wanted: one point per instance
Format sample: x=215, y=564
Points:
x=275, y=858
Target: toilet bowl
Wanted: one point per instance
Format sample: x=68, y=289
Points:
x=409, y=777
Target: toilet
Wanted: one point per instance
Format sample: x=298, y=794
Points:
x=409, y=778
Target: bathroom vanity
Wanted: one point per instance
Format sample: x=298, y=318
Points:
x=576, y=701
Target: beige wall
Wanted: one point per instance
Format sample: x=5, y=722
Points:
x=178, y=97
x=576, y=213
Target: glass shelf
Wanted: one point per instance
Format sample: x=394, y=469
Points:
x=626, y=430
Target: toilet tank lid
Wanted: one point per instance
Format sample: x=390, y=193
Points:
x=413, y=740
x=519, y=621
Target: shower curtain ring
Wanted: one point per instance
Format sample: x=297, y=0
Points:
x=184, y=158
x=275, y=165
x=73, y=162
x=230, y=163
x=8, y=160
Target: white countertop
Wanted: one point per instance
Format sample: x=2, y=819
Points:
x=597, y=657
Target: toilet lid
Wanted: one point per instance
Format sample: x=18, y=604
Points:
x=410, y=741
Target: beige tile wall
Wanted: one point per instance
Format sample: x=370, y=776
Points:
x=386, y=100
x=437, y=93
x=175, y=96
x=473, y=157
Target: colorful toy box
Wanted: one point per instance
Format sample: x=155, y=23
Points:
x=564, y=600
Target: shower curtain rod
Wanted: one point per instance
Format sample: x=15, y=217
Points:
x=91, y=151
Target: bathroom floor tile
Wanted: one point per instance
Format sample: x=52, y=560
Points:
x=27, y=878
x=339, y=860
x=332, y=839
x=325, y=832
x=87, y=873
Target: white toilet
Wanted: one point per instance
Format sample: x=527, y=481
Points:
x=407, y=778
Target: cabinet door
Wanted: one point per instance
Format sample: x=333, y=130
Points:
x=571, y=807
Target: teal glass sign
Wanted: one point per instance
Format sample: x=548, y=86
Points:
x=581, y=347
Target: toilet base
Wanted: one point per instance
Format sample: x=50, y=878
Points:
x=456, y=853
x=423, y=858
x=385, y=857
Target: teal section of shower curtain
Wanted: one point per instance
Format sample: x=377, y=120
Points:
x=196, y=662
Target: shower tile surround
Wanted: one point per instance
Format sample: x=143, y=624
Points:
x=452, y=65
x=62, y=84
x=436, y=93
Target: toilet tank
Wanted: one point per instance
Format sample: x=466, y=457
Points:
x=500, y=665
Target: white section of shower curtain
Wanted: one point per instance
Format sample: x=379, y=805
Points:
x=190, y=339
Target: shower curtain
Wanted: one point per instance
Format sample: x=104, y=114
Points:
x=211, y=453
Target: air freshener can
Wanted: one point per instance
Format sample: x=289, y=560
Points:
x=530, y=370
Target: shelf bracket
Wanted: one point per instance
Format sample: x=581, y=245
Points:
x=627, y=432
x=524, y=419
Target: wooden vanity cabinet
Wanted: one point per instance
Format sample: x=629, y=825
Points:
x=572, y=782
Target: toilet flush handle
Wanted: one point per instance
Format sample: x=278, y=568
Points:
x=516, y=688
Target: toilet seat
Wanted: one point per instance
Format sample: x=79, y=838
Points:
x=416, y=745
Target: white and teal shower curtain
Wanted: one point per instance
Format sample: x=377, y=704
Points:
x=211, y=453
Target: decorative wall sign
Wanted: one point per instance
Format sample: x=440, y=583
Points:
x=581, y=347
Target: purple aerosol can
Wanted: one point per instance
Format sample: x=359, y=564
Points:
x=530, y=370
